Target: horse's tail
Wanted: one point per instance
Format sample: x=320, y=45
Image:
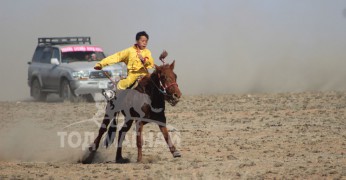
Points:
x=112, y=130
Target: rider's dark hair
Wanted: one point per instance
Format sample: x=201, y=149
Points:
x=142, y=33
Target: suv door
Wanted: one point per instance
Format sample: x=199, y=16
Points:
x=35, y=66
x=53, y=79
x=46, y=67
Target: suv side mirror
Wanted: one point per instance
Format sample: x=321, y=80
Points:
x=54, y=61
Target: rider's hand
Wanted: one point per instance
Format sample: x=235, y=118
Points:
x=98, y=67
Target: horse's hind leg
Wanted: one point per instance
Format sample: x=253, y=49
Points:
x=119, y=158
x=168, y=140
x=139, y=129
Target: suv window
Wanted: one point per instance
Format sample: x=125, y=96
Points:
x=68, y=57
x=56, y=53
x=38, y=54
x=47, y=55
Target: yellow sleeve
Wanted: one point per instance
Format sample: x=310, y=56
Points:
x=149, y=64
x=115, y=58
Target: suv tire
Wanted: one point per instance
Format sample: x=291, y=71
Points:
x=36, y=91
x=66, y=92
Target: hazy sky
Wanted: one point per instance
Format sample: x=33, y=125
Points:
x=219, y=46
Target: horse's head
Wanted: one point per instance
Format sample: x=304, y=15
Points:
x=168, y=83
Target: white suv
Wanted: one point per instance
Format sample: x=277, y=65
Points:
x=64, y=65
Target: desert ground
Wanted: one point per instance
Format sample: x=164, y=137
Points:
x=243, y=136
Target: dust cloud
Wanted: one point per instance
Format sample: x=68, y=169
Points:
x=219, y=47
x=28, y=142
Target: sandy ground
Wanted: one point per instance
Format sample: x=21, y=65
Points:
x=251, y=136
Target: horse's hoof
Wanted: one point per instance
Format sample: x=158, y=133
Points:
x=92, y=147
x=122, y=160
x=88, y=157
x=176, y=154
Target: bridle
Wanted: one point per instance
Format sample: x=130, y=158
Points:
x=165, y=86
x=162, y=88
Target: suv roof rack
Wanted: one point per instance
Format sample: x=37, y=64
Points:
x=64, y=40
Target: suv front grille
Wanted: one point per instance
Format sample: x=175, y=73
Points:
x=99, y=74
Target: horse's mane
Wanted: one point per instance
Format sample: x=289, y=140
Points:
x=151, y=77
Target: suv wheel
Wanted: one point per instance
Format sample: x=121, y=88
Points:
x=36, y=91
x=66, y=93
x=89, y=98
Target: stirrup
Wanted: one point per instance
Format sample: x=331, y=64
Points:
x=109, y=94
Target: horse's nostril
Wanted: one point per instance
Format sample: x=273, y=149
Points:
x=175, y=95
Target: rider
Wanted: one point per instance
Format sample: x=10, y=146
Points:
x=137, y=58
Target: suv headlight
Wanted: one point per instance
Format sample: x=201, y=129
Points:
x=119, y=73
x=81, y=75
x=116, y=73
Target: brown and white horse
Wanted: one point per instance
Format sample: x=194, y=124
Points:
x=160, y=86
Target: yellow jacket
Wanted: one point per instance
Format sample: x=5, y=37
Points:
x=130, y=57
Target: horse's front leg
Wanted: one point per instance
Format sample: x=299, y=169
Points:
x=168, y=140
x=102, y=130
x=139, y=130
x=109, y=115
x=88, y=157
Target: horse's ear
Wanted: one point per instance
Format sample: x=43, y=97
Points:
x=157, y=68
x=172, y=65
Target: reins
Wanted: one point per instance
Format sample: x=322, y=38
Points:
x=107, y=75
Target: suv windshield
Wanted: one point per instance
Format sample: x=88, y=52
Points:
x=68, y=57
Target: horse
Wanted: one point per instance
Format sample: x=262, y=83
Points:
x=160, y=86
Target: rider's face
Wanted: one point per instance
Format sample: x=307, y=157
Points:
x=142, y=42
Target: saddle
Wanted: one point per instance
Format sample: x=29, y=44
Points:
x=111, y=94
x=135, y=84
